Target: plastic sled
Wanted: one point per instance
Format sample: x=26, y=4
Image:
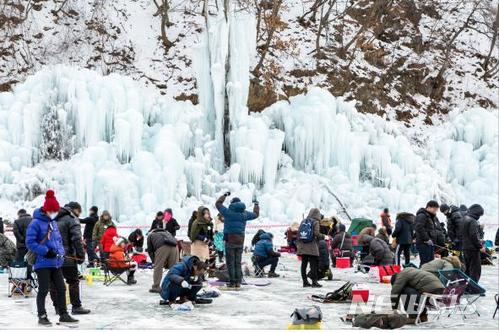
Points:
x=316, y=326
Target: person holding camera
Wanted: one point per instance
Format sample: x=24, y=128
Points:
x=70, y=229
x=235, y=217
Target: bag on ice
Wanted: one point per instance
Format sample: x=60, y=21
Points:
x=309, y=315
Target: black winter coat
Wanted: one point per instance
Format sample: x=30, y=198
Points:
x=404, y=228
x=70, y=229
x=20, y=227
x=454, y=222
x=470, y=230
x=89, y=223
x=158, y=238
x=323, y=254
x=135, y=241
x=425, y=227
x=172, y=226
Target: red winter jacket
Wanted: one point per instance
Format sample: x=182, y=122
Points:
x=107, y=239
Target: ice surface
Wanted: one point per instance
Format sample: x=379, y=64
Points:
x=136, y=152
x=121, y=307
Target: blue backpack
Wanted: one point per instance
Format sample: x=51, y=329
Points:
x=306, y=231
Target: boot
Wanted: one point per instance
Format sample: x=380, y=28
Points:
x=44, y=320
x=306, y=284
x=79, y=310
x=66, y=318
x=130, y=280
x=316, y=285
x=237, y=285
x=273, y=275
x=155, y=290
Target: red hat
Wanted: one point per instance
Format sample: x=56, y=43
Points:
x=50, y=204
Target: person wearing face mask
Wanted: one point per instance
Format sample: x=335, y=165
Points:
x=70, y=230
x=44, y=239
x=169, y=223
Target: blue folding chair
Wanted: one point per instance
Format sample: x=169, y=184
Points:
x=472, y=293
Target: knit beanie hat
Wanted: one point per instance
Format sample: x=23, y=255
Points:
x=50, y=204
x=74, y=205
x=118, y=240
x=94, y=209
x=444, y=208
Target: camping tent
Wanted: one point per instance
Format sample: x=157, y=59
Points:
x=358, y=224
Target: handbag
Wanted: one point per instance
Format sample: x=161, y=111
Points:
x=30, y=255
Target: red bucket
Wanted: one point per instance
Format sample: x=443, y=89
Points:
x=343, y=262
x=360, y=295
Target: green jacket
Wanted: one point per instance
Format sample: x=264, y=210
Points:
x=201, y=228
x=99, y=230
x=422, y=281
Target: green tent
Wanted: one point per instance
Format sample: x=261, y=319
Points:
x=358, y=224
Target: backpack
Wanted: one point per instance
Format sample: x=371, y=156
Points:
x=310, y=315
x=306, y=231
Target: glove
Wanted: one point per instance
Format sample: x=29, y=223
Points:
x=227, y=194
x=185, y=285
x=430, y=242
x=50, y=254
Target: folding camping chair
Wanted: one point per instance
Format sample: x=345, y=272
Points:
x=449, y=300
x=112, y=274
x=19, y=280
x=472, y=293
x=259, y=272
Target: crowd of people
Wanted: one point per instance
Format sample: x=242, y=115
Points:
x=52, y=237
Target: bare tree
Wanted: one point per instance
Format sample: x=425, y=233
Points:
x=163, y=8
x=271, y=24
x=493, y=41
x=323, y=22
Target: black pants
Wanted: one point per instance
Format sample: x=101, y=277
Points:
x=473, y=264
x=272, y=261
x=70, y=274
x=426, y=253
x=406, y=249
x=314, y=267
x=47, y=276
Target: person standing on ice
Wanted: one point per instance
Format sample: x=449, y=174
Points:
x=235, y=218
x=70, y=230
x=472, y=245
x=89, y=223
x=202, y=234
x=308, y=247
x=426, y=233
x=19, y=229
x=404, y=234
x=44, y=239
x=218, y=238
x=169, y=223
x=100, y=228
x=157, y=223
x=386, y=221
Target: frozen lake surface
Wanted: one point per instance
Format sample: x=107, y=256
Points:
x=125, y=307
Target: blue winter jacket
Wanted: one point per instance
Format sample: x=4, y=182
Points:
x=236, y=217
x=178, y=273
x=264, y=246
x=37, y=230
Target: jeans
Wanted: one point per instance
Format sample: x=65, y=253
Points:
x=406, y=249
x=473, y=263
x=91, y=251
x=70, y=274
x=314, y=267
x=47, y=276
x=175, y=290
x=426, y=253
x=272, y=261
x=233, y=255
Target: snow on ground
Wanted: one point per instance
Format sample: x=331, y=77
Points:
x=124, y=307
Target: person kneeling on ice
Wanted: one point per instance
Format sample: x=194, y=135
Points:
x=119, y=262
x=265, y=255
x=183, y=280
x=409, y=285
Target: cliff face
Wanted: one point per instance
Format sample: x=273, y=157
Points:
x=411, y=60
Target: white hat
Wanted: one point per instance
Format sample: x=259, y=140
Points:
x=118, y=240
